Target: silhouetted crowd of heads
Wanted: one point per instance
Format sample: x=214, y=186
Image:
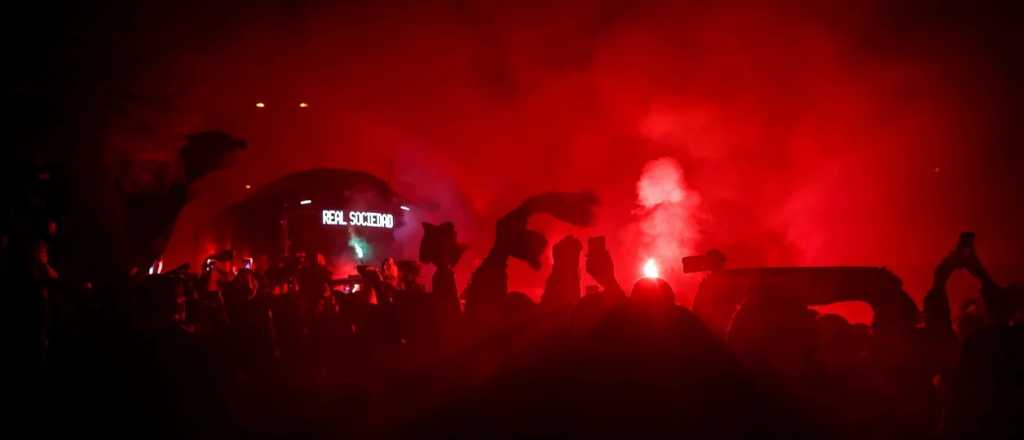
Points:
x=280, y=346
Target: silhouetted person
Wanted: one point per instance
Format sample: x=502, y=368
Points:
x=210, y=314
x=562, y=288
x=488, y=285
x=988, y=387
x=440, y=247
x=173, y=386
x=249, y=333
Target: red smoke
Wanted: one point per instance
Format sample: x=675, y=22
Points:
x=811, y=135
x=667, y=224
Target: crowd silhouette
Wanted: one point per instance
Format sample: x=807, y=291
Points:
x=280, y=347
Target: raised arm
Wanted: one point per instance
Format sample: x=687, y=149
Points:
x=937, y=317
x=562, y=289
x=602, y=269
x=995, y=296
x=489, y=283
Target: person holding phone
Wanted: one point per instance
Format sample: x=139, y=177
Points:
x=996, y=300
x=562, y=288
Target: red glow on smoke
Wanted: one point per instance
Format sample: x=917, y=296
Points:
x=667, y=213
x=801, y=135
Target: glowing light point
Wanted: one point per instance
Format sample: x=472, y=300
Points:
x=404, y=208
x=650, y=268
x=305, y=202
x=247, y=186
x=260, y=105
x=303, y=104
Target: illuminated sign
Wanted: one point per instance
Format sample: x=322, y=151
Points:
x=337, y=217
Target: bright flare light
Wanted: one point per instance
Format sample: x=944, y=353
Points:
x=305, y=202
x=404, y=208
x=260, y=105
x=303, y=105
x=650, y=268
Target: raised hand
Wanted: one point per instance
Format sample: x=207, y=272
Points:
x=943, y=271
x=567, y=251
x=440, y=245
x=600, y=266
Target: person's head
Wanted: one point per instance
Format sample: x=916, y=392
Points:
x=440, y=245
x=408, y=274
x=389, y=270
x=840, y=343
x=226, y=267
x=567, y=250
x=223, y=260
x=652, y=292
x=775, y=335
x=831, y=325
x=244, y=280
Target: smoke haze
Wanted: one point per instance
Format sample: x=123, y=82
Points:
x=814, y=133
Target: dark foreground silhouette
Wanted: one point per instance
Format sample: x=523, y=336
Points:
x=286, y=350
